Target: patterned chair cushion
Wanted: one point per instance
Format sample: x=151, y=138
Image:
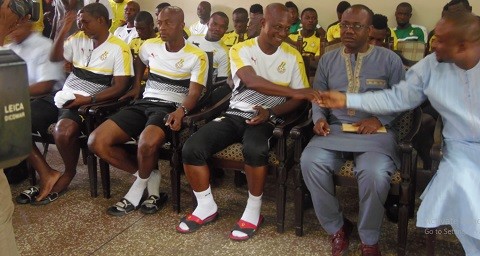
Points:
x=234, y=153
x=412, y=50
x=347, y=171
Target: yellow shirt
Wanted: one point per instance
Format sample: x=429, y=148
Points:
x=38, y=25
x=231, y=38
x=311, y=45
x=118, y=13
x=333, y=32
x=395, y=39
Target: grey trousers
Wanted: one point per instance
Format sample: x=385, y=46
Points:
x=372, y=171
x=7, y=237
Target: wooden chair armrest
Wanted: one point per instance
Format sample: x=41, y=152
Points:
x=208, y=113
x=106, y=108
x=301, y=129
x=293, y=119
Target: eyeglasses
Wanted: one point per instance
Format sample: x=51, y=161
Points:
x=354, y=27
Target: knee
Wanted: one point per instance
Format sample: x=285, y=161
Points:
x=149, y=147
x=96, y=144
x=375, y=175
x=194, y=153
x=255, y=155
x=65, y=131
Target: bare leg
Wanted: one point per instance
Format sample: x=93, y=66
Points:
x=107, y=143
x=198, y=177
x=149, y=143
x=256, y=177
x=48, y=176
x=66, y=136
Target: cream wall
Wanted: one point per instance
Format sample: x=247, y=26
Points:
x=425, y=12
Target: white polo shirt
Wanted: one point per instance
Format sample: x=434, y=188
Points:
x=221, y=61
x=126, y=34
x=172, y=72
x=198, y=28
x=35, y=51
x=94, y=68
x=285, y=67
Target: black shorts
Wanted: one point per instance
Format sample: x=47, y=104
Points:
x=44, y=113
x=133, y=119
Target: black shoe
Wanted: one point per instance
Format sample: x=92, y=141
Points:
x=121, y=208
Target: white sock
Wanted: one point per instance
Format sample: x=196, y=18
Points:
x=205, y=208
x=153, y=185
x=136, y=174
x=136, y=191
x=251, y=213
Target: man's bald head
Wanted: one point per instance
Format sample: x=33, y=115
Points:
x=274, y=9
x=466, y=26
x=176, y=13
x=360, y=8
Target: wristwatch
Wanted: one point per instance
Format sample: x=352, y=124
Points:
x=271, y=115
x=185, y=110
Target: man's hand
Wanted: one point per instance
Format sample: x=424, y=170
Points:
x=262, y=116
x=307, y=94
x=79, y=100
x=68, y=21
x=332, y=99
x=174, y=120
x=321, y=128
x=368, y=126
x=133, y=94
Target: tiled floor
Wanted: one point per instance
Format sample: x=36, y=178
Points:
x=77, y=224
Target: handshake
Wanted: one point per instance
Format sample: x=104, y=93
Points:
x=326, y=99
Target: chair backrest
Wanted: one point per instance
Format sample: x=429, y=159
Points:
x=412, y=50
x=408, y=123
x=205, y=97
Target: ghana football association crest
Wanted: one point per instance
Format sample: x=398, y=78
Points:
x=104, y=55
x=179, y=64
x=281, y=67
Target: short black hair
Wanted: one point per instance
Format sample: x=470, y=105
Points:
x=380, y=21
x=144, y=16
x=308, y=9
x=221, y=14
x=97, y=10
x=291, y=4
x=240, y=10
x=256, y=8
x=464, y=2
x=405, y=4
x=160, y=6
x=342, y=6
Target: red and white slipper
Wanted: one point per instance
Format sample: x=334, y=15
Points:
x=245, y=227
x=194, y=223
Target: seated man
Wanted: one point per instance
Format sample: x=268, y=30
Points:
x=254, y=91
x=211, y=42
x=240, y=21
x=406, y=31
x=200, y=27
x=102, y=66
x=333, y=30
x=178, y=72
x=254, y=19
x=308, y=37
x=45, y=78
x=356, y=67
x=450, y=81
x=128, y=31
x=381, y=34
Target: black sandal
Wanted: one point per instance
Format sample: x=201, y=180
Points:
x=48, y=199
x=28, y=196
x=153, y=203
x=121, y=208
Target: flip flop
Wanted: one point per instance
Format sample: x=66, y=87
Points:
x=194, y=223
x=245, y=227
x=28, y=195
x=53, y=196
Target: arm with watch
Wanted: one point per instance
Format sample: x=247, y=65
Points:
x=174, y=120
x=270, y=114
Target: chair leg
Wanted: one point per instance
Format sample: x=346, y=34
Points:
x=92, y=173
x=430, y=236
x=45, y=149
x=32, y=174
x=281, y=196
x=402, y=230
x=298, y=200
x=105, y=176
x=175, y=181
